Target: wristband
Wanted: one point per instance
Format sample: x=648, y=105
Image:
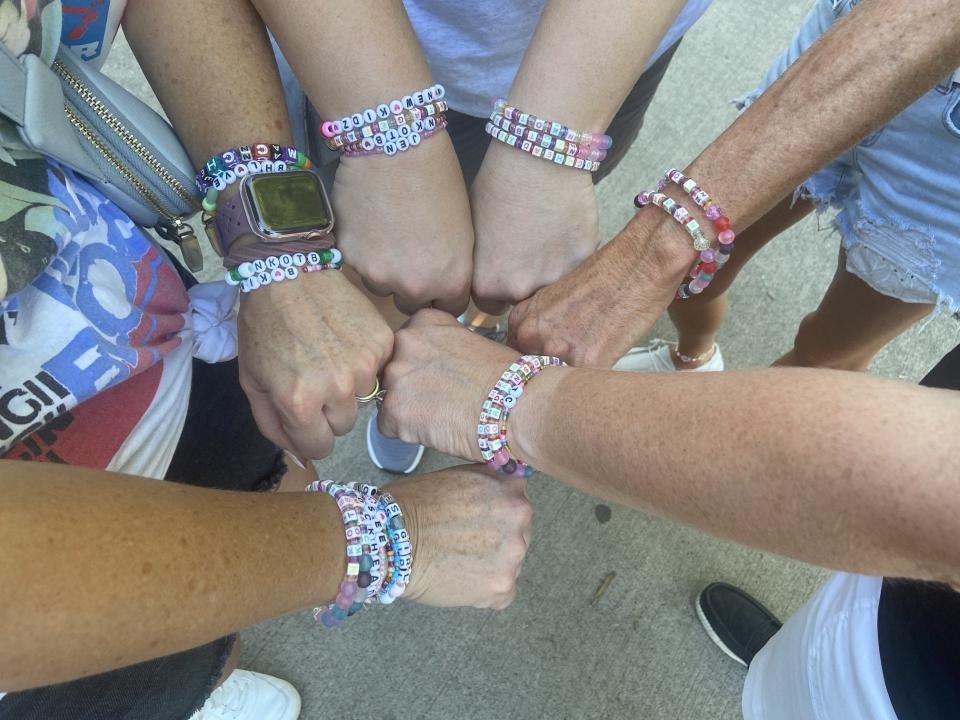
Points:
x=394, y=122
x=277, y=268
x=555, y=129
x=547, y=141
x=537, y=150
x=329, y=128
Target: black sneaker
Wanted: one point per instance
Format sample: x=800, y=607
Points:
x=737, y=624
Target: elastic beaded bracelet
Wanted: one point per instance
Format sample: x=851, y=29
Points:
x=255, y=274
x=548, y=142
x=402, y=143
x=329, y=128
x=394, y=122
x=495, y=412
x=224, y=169
x=514, y=114
x=679, y=213
x=537, y=150
x=347, y=601
x=721, y=223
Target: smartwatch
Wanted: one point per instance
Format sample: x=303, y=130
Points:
x=276, y=207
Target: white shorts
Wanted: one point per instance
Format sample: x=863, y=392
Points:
x=824, y=664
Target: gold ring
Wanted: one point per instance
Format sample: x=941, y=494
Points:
x=371, y=396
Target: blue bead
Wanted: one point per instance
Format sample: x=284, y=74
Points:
x=338, y=612
x=355, y=608
x=365, y=563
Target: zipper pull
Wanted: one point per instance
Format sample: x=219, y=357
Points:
x=179, y=232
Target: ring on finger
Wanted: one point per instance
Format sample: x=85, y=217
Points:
x=371, y=396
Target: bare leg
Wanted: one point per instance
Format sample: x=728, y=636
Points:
x=699, y=319
x=851, y=325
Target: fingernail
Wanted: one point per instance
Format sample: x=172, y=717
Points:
x=297, y=461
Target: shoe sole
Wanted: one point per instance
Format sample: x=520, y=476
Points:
x=373, y=456
x=714, y=638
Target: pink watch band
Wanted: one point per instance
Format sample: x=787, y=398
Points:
x=230, y=223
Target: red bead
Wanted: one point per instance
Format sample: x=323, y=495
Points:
x=721, y=223
x=708, y=267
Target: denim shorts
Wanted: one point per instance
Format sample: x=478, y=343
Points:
x=897, y=191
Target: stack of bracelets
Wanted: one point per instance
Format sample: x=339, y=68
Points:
x=710, y=259
x=391, y=127
x=293, y=257
x=492, y=429
x=234, y=164
x=547, y=140
x=379, y=559
x=277, y=268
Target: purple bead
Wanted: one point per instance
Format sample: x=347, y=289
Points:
x=343, y=602
x=328, y=619
x=348, y=589
x=709, y=255
x=713, y=213
x=364, y=579
x=510, y=467
x=726, y=249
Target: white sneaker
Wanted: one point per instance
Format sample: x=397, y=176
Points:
x=657, y=357
x=249, y=695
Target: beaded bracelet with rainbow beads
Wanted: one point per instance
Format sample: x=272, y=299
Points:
x=495, y=412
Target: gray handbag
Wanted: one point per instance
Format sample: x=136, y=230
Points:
x=84, y=120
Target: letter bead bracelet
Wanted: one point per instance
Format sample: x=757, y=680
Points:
x=546, y=139
x=255, y=274
x=391, y=127
x=379, y=558
x=234, y=164
x=709, y=260
x=492, y=428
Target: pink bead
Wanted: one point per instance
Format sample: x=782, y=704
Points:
x=348, y=589
x=698, y=283
x=344, y=602
x=326, y=129
x=501, y=458
x=726, y=237
x=709, y=255
x=713, y=213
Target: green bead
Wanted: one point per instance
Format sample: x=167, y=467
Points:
x=338, y=612
x=301, y=159
x=326, y=256
x=210, y=200
x=235, y=274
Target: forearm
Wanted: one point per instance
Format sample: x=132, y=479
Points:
x=348, y=56
x=841, y=470
x=578, y=72
x=211, y=65
x=861, y=73
x=100, y=570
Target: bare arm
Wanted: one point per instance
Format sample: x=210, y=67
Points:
x=578, y=69
x=833, y=96
x=838, y=469
x=100, y=570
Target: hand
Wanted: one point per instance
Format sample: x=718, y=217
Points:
x=469, y=534
x=403, y=223
x=591, y=317
x=535, y=222
x=437, y=381
x=307, y=348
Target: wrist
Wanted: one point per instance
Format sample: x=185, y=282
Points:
x=653, y=250
x=527, y=425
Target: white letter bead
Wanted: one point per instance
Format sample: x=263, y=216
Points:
x=277, y=275
x=383, y=112
x=414, y=138
x=286, y=260
x=419, y=99
x=291, y=273
x=259, y=265
x=369, y=115
x=402, y=144
x=407, y=101
x=313, y=258
x=396, y=107
x=219, y=183
x=346, y=123
x=438, y=91
x=273, y=262
x=357, y=120
x=337, y=127
x=299, y=259
x=390, y=149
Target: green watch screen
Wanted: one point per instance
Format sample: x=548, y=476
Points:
x=290, y=202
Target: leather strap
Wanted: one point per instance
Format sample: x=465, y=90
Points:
x=230, y=222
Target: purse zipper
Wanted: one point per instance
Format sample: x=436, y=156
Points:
x=128, y=138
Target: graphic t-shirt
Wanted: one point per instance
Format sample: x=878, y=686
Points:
x=94, y=362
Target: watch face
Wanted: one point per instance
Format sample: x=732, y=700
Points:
x=289, y=203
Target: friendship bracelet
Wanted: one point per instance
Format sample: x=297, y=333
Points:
x=537, y=150
x=348, y=600
x=330, y=128
x=277, y=268
x=679, y=213
x=514, y=114
x=394, y=122
x=494, y=414
x=369, y=146
x=721, y=223
x=547, y=141
x=234, y=164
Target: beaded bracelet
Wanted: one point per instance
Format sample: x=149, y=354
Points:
x=398, y=549
x=369, y=146
x=678, y=212
x=394, y=122
x=721, y=223
x=329, y=128
x=494, y=414
x=552, y=128
x=277, y=268
x=538, y=151
x=224, y=169
x=348, y=600
x=547, y=141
